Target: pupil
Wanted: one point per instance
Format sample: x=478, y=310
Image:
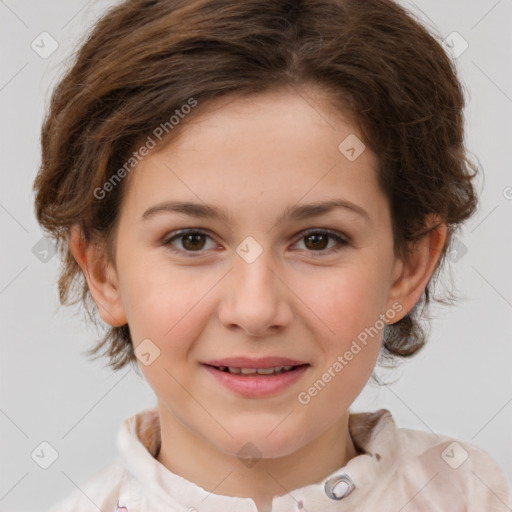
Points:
x=195, y=238
x=317, y=241
x=190, y=241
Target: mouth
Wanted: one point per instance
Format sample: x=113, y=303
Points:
x=273, y=370
x=253, y=378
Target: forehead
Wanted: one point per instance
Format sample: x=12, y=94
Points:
x=281, y=147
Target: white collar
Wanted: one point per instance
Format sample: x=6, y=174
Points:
x=373, y=433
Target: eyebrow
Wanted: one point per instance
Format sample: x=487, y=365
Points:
x=298, y=212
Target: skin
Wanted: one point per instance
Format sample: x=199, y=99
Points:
x=256, y=157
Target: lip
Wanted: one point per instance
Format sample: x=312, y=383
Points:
x=253, y=362
x=256, y=386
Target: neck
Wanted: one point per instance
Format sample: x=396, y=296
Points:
x=195, y=459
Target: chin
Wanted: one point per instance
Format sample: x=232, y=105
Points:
x=257, y=440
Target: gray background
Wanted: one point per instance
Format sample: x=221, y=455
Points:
x=460, y=385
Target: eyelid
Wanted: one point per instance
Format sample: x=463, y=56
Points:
x=166, y=240
x=333, y=233
x=342, y=239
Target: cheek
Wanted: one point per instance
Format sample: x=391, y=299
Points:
x=344, y=301
x=348, y=331
x=162, y=301
x=171, y=309
x=349, y=336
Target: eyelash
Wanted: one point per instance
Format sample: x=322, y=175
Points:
x=342, y=241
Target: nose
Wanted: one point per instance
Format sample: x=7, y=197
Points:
x=255, y=298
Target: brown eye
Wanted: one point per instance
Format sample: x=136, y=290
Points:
x=188, y=241
x=193, y=241
x=318, y=241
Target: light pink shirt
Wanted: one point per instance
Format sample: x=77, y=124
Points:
x=400, y=470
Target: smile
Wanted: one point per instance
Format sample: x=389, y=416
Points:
x=259, y=371
x=256, y=381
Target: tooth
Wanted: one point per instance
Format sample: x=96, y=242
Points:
x=260, y=371
x=265, y=371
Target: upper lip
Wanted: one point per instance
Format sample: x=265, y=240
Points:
x=249, y=362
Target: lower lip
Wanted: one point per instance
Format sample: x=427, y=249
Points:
x=257, y=385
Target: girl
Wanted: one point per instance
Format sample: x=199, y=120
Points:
x=257, y=197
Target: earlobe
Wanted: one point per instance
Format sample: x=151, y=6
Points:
x=101, y=277
x=412, y=275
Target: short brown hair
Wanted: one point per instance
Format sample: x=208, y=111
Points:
x=145, y=59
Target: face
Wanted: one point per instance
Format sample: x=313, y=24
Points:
x=267, y=284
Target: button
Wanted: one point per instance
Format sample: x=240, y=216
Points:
x=339, y=487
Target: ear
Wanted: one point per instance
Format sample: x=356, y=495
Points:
x=101, y=277
x=411, y=275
